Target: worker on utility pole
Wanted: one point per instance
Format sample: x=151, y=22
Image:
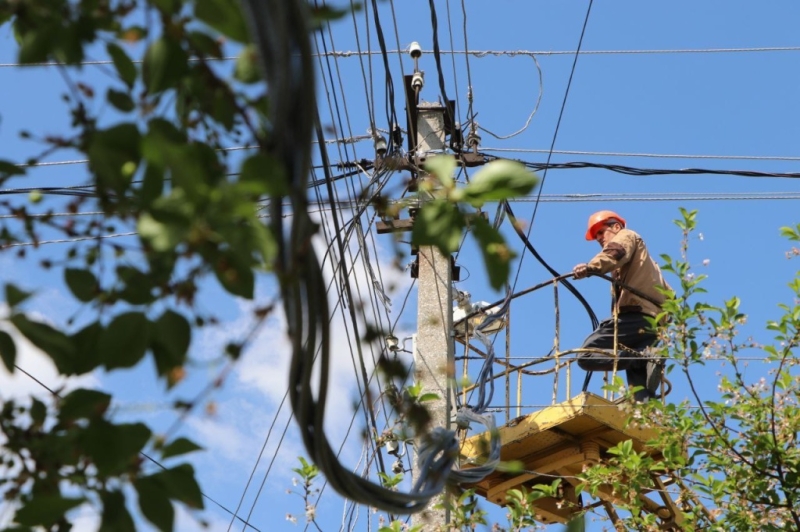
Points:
x=625, y=254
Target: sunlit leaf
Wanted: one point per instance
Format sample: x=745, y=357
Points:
x=247, y=69
x=160, y=236
x=438, y=224
x=499, y=180
x=442, y=166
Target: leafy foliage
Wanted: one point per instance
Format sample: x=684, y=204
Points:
x=733, y=458
x=443, y=217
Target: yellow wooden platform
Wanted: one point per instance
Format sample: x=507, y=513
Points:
x=559, y=441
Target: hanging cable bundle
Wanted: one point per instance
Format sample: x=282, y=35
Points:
x=280, y=31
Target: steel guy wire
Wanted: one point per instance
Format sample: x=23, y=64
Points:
x=480, y=53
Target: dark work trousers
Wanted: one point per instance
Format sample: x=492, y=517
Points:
x=634, y=335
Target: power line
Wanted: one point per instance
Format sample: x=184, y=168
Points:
x=637, y=171
x=482, y=53
x=647, y=155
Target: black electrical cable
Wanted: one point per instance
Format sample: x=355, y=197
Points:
x=391, y=115
x=438, y=58
x=634, y=171
x=567, y=284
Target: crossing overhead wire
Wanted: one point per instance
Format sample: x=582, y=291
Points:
x=453, y=58
x=367, y=94
x=525, y=236
x=533, y=112
x=391, y=115
x=438, y=57
x=646, y=155
x=558, y=122
x=287, y=65
x=479, y=53
x=634, y=171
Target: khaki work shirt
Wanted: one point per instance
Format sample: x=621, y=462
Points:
x=627, y=256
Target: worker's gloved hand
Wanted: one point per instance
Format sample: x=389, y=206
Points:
x=580, y=271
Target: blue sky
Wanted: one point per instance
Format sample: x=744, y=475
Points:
x=693, y=103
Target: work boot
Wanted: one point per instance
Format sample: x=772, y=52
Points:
x=637, y=377
x=654, y=370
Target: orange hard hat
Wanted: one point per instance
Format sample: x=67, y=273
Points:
x=598, y=219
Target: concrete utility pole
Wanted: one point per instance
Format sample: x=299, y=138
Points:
x=433, y=348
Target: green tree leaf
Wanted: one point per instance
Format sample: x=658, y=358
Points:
x=45, y=510
x=125, y=341
x=113, y=157
x=160, y=236
x=181, y=485
x=120, y=100
x=442, y=167
x=499, y=180
x=8, y=351
x=115, y=515
x=15, y=296
x=225, y=16
x=8, y=169
x=439, y=224
x=54, y=343
x=125, y=67
x=114, y=448
x=164, y=64
x=83, y=403
x=496, y=254
x=235, y=275
x=155, y=503
x=82, y=283
x=267, y=172
x=87, y=349
x=178, y=447
x=247, y=69
x=171, y=336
